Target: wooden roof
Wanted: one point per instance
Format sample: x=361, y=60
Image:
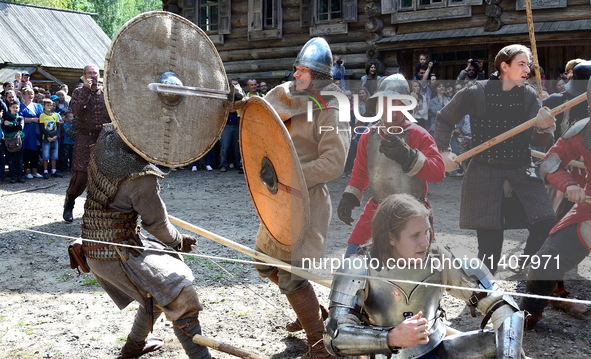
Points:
x=515, y=29
x=51, y=38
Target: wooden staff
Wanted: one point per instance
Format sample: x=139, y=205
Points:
x=573, y=163
x=249, y=251
x=223, y=347
x=518, y=129
x=532, y=42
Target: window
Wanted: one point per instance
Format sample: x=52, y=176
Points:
x=265, y=20
x=424, y=4
x=329, y=10
x=269, y=15
x=208, y=15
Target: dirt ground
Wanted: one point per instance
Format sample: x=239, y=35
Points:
x=48, y=311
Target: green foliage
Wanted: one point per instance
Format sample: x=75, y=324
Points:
x=111, y=14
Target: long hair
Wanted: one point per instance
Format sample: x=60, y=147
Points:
x=391, y=218
x=508, y=53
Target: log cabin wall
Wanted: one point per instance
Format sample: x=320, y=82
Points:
x=256, y=42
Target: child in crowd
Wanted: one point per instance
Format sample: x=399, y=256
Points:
x=68, y=143
x=49, y=122
x=12, y=125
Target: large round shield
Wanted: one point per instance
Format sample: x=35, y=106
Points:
x=167, y=129
x=273, y=173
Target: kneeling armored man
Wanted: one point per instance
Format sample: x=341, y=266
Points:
x=375, y=311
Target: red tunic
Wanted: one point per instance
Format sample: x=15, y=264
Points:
x=569, y=149
x=432, y=170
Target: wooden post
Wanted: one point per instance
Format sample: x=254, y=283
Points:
x=532, y=42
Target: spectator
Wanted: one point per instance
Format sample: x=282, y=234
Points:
x=423, y=61
x=25, y=82
x=49, y=122
x=6, y=87
x=64, y=88
x=339, y=71
x=436, y=104
x=371, y=78
x=17, y=79
x=12, y=125
x=88, y=105
x=229, y=139
x=421, y=112
x=30, y=112
x=61, y=104
x=262, y=86
x=67, y=144
x=570, y=66
x=473, y=71
x=253, y=88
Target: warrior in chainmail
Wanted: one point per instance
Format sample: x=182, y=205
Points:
x=498, y=193
x=322, y=156
x=392, y=157
x=570, y=240
x=122, y=186
x=374, y=313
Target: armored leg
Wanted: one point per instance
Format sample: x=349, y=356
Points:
x=185, y=329
x=138, y=342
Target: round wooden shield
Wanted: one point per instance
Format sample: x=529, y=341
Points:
x=273, y=173
x=167, y=129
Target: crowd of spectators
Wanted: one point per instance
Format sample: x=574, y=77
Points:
x=42, y=120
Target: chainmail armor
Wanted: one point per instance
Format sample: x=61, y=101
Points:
x=586, y=135
x=112, y=162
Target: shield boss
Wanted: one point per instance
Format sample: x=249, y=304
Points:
x=273, y=173
x=167, y=129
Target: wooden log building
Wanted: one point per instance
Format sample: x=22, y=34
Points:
x=261, y=38
x=53, y=45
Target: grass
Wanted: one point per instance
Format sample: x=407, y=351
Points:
x=88, y=281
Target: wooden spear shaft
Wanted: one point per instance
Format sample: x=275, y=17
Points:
x=249, y=251
x=518, y=129
x=532, y=42
x=224, y=347
x=573, y=163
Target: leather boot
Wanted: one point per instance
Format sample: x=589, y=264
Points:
x=305, y=303
x=133, y=349
x=138, y=342
x=535, y=307
x=295, y=325
x=185, y=329
x=69, y=208
x=576, y=310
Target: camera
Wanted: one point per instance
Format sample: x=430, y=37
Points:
x=339, y=62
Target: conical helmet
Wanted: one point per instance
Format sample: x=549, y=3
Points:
x=316, y=55
x=578, y=83
x=393, y=85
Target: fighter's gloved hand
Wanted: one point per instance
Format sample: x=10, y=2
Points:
x=395, y=148
x=545, y=121
x=186, y=243
x=346, y=205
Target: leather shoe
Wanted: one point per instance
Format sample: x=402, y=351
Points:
x=133, y=349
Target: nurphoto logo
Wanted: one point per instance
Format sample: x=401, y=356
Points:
x=345, y=106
